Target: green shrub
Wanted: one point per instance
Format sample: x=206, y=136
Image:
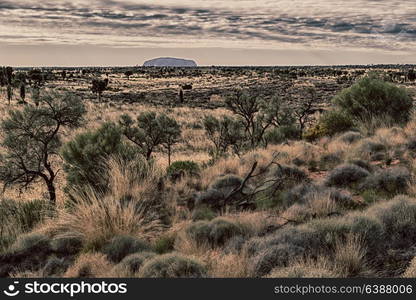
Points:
x=165, y=243
x=85, y=156
x=329, y=161
x=226, y=183
x=132, y=263
x=290, y=175
x=67, y=245
x=346, y=175
x=203, y=213
x=281, y=134
x=172, y=266
x=361, y=163
x=372, y=97
x=210, y=198
x=350, y=137
x=275, y=256
x=218, y=191
x=18, y=217
x=330, y=123
x=214, y=233
x=55, y=267
x=179, y=168
x=121, y=246
x=391, y=181
x=371, y=196
x=398, y=217
x=30, y=242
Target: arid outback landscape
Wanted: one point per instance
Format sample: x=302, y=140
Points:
x=208, y=172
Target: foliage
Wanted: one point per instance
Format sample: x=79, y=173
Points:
x=214, y=233
x=172, y=266
x=151, y=130
x=203, y=212
x=346, y=175
x=85, y=156
x=132, y=263
x=225, y=133
x=258, y=115
x=179, y=168
x=329, y=124
x=121, y=246
x=391, y=181
x=372, y=97
x=99, y=86
x=32, y=140
x=165, y=243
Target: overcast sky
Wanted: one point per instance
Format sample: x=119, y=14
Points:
x=227, y=32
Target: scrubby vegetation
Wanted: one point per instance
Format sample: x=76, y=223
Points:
x=261, y=185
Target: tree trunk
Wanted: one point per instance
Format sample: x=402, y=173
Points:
x=52, y=192
x=169, y=156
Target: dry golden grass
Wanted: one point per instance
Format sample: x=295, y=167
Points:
x=411, y=270
x=90, y=265
x=349, y=258
x=96, y=217
x=306, y=268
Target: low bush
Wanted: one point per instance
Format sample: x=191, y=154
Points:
x=398, y=217
x=390, y=181
x=281, y=134
x=274, y=256
x=17, y=217
x=203, y=213
x=346, y=175
x=226, y=183
x=350, y=137
x=121, y=246
x=362, y=164
x=214, y=233
x=330, y=124
x=165, y=243
x=329, y=161
x=290, y=174
x=172, y=266
x=218, y=191
x=55, y=267
x=180, y=168
x=67, y=245
x=30, y=242
x=132, y=263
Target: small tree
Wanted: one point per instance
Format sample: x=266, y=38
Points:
x=9, y=93
x=304, y=108
x=63, y=74
x=36, y=81
x=128, y=73
x=224, y=133
x=7, y=79
x=150, y=131
x=172, y=133
x=99, y=86
x=258, y=115
x=32, y=139
x=23, y=92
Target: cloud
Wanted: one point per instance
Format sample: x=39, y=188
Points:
x=382, y=24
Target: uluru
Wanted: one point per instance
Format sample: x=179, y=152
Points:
x=169, y=62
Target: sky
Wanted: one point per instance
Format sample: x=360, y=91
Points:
x=227, y=32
